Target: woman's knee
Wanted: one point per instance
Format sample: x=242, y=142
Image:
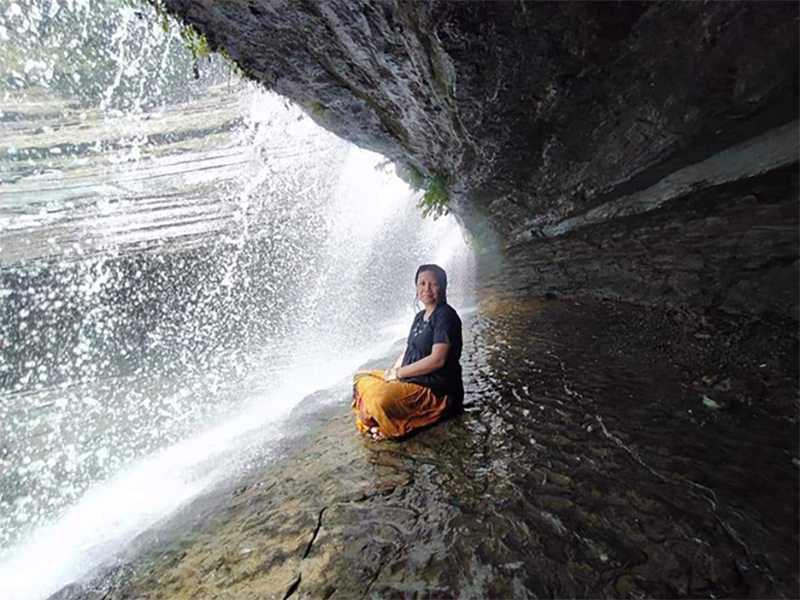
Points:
x=385, y=394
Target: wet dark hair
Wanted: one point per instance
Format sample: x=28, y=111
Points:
x=439, y=275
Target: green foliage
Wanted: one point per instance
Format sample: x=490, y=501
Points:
x=70, y=49
x=159, y=8
x=437, y=189
x=317, y=110
x=195, y=42
x=436, y=197
x=414, y=177
x=232, y=64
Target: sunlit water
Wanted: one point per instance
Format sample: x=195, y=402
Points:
x=177, y=270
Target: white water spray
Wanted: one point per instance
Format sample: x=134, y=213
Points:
x=321, y=235
x=177, y=271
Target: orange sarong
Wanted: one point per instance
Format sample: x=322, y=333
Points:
x=397, y=407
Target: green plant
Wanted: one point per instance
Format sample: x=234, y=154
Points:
x=434, y=201
x=436, y=197
x=317, y=110
x=413, y=177
x=232, y=64
x=159, y=8
x=194, y=41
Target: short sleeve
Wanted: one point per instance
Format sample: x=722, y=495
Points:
x=444, y=329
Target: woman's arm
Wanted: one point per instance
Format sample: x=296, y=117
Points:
x=390, y=374
x=428, y=364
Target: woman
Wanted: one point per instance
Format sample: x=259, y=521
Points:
x=425, y=381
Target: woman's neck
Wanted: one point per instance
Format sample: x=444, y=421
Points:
x=429, y=308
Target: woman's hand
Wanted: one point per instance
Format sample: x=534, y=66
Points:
x=427, y=364
x=390, y=375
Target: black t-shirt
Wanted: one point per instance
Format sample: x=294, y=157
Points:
x=443, y=327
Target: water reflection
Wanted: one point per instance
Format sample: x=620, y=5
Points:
x=607, y=476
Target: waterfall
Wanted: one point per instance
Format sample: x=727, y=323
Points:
x=178, y=269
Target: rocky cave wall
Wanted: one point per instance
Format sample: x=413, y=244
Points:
x=643, y=151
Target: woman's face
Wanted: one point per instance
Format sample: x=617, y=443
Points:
x=428, y=290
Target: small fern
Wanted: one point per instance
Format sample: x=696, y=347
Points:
x=413, y=177
x=435, y=200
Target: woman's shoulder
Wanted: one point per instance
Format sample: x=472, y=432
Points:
x=447, y=312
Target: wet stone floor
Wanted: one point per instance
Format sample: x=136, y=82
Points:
x=606, y=450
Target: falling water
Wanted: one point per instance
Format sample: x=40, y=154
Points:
x=181, y=261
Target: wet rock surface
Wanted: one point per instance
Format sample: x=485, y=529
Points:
x=549, y=117
x=732, y=248
x=606, y=450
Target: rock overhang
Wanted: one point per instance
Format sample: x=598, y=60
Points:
x=539, y=114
